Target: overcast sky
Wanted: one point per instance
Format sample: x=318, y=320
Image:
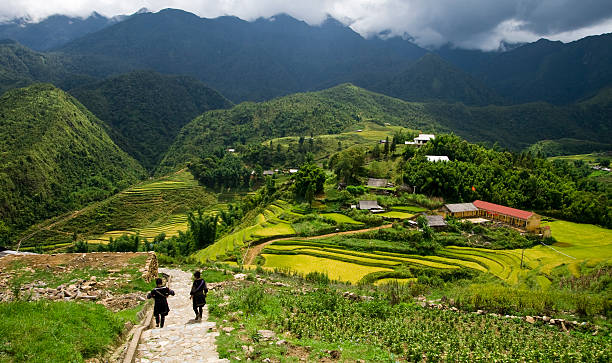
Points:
x=430, y=23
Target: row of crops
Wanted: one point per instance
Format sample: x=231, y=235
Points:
x=273, y=222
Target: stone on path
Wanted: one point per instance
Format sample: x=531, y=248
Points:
x=182, y=339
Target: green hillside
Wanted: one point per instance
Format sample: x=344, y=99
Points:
x=146, y=110
x=330, y=111
x=54, y=156
x=346, y=107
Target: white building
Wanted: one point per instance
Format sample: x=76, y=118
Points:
x=436, y=158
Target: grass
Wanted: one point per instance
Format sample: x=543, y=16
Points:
x=340, y=218
x=397, y=215
x=409, y=208
x=336, y=270
x=46, y=331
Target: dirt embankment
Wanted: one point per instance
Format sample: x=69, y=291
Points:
x=111, y=279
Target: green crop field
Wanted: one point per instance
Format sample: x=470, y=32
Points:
x=336, y=270
x=408, y=208
x=340, y=218
x=577, y=243
x=397, y=215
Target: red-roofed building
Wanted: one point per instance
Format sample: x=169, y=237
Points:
x=516, y=217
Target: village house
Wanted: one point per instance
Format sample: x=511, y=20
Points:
x=424, y=138
x=519, y=218
x=436, y=158
x=421, y=139
x=379, y=183
x=268, y=172
x=459, y=210
x=435, y=221
x=370, y=205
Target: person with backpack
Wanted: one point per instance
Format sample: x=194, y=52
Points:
x=160, y=295
x=198, y=294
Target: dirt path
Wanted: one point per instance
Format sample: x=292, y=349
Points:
x=182, y=339
x=253, y=251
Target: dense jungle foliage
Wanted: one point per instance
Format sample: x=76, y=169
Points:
x=54, y=157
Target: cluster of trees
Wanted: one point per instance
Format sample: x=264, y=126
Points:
x=517, y=180
x=308, y=182
x=226, y=172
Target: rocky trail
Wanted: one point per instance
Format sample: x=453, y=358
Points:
x=182, y=339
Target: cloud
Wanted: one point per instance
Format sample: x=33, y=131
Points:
x=467, y=23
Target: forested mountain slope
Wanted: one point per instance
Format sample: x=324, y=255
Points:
x=343, y=107
x=54, y=156
x=246, y=60
x=325, y=112
x=146, y=110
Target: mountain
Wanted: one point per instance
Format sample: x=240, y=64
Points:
x=55, y=156
x=324, y=112
x=554, y=72
x=343, y=107
x=146, y=110
x=433, y=78
x=246, y=60
x=54, y=31
x=21, y=66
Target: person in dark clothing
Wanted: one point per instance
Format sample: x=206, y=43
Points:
x=160, y=295
x=198, y=294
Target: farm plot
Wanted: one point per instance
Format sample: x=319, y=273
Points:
x=396, y=215
x=341, y=218
x=267, y=224
x=336, y=270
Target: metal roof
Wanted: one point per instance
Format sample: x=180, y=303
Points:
x=435, y=221
x=377, y=183
x=500, y=209
x=461, y=207
x=369, y=204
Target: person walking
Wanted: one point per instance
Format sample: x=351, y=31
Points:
x=160, y=295
x=198, y=294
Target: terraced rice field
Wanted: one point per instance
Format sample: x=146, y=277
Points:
x=151, y=195
x=390, y=280
x=577, y=244
x=267, y=224
x=336, y=270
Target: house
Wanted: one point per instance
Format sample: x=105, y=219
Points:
x=231, y=150
x=410, y=143
x=515, y=217
x=370, y=205
x=459, y=210
x=424, y=138
x=293, y=171
x=268, y=172
x=383, y=141
x=435, y=221
x=359, y=130
x=436, y=158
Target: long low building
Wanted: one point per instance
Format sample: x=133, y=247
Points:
x=516, y=217
x=459, y=210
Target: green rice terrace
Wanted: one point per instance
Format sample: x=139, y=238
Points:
x=147, y=209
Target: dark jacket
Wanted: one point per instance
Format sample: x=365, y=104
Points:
x=160, y=294
x=198, y=292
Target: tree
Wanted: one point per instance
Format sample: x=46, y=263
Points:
x=376, y=152
x=5, y=235
x=308, y=181
x=386, y=147
x=349, y=165
x=393, y=145
x=203, y=228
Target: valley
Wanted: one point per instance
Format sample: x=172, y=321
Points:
x=345, y=198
